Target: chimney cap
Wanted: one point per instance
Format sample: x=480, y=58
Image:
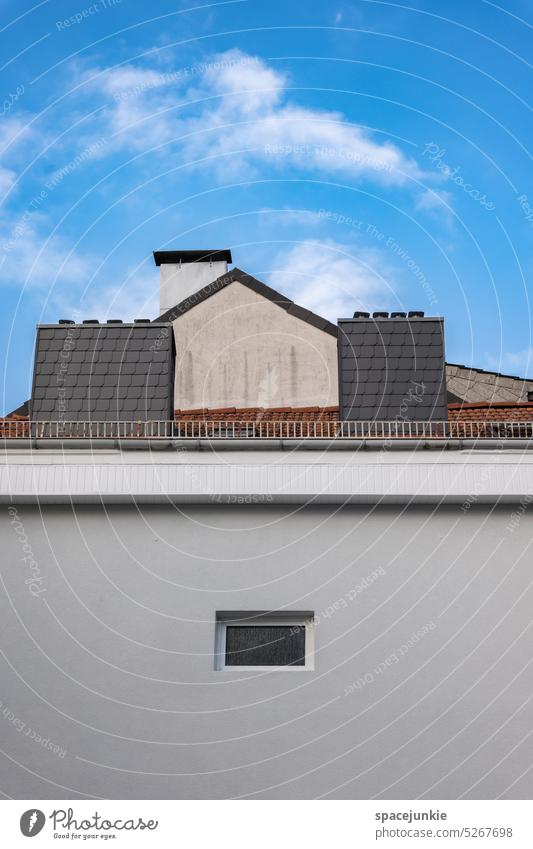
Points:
x=177, y=257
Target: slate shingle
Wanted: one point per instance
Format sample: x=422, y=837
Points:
x=95, y=366
x=408, y=354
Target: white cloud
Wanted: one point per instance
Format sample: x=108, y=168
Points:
x=234, y=110
x=436, y=202
x=128, y=80
x=14, y=135
x=136, y=296
x=259, y=88
x=7, y=180
x=66, y=278
x=255, y=123
x=333, y=279
x=30, y=259
x=134, y=98
x=12, y=131
x=305, y=217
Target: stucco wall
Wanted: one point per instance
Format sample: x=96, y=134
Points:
x=237, y=349
x=114, y=660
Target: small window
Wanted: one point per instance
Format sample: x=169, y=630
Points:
x=258, y=640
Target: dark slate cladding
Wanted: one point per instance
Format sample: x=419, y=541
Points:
x=392, y=369
x=103, y=372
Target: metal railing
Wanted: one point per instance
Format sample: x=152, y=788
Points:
x=260, y=429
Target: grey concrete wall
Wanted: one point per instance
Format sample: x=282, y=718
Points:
x=237, y=349
x=111, y=659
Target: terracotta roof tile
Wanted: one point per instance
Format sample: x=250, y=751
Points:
x=500, y=411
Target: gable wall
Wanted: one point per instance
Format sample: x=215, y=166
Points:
x=237, y=349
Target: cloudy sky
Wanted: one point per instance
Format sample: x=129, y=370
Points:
x=353, y=155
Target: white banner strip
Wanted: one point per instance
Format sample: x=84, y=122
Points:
x=268, y=824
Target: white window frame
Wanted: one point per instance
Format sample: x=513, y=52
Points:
x=251, y=618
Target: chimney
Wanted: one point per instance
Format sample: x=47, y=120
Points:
x=183, y=273
x=392, y=369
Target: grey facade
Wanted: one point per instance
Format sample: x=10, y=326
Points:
x=114, y=660
x=103, y=372
x=392, y=369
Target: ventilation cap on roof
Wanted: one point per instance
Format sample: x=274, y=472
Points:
x=114, y=321
x=380, y=315
x=142, y=321
x=398, y=315
x=416, y=314
x=91, y=321
x=361, y=315
x=66, y=321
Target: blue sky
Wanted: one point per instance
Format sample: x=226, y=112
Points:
x=352, y=155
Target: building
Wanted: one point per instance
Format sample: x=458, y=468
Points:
x=261, y=596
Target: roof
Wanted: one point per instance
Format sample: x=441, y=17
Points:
x=258, y=414
x=491, y=405
x=14, y=426
x=472, y=385
x=21, y=412
x=238, y=276
x=500, y=411
x=175, y=257
x=392, y=369
x=103, y=372
x=488, y=371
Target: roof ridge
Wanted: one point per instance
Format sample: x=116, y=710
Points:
x=460, y=405
x=488, y=371
x=257, y=286
x=201, y=295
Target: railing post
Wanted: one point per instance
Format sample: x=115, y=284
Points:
x=259, y=429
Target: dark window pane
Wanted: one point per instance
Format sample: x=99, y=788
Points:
x=265, y=645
